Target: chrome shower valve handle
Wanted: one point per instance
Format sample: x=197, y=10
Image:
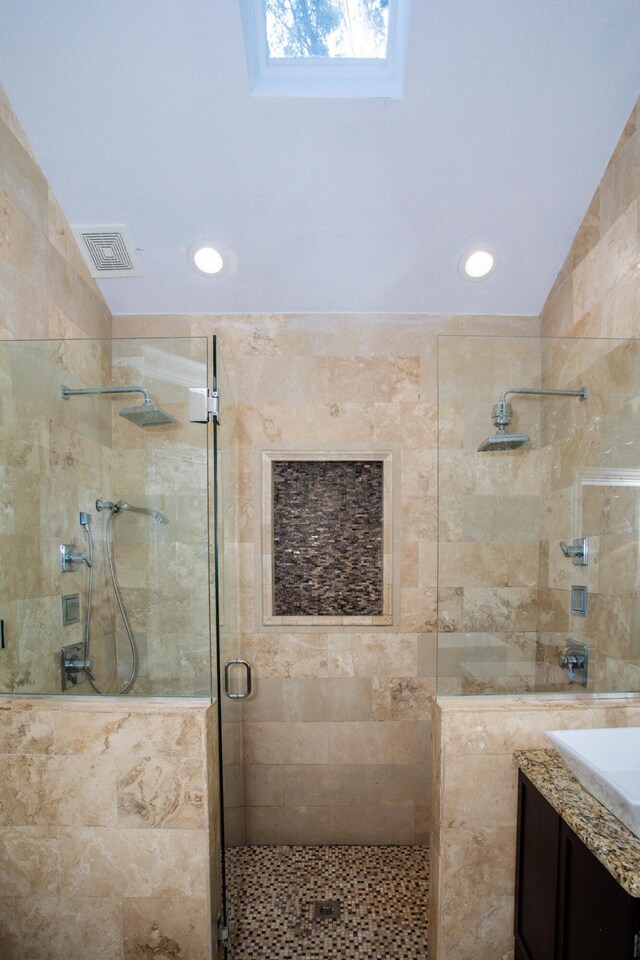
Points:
x=578, y=551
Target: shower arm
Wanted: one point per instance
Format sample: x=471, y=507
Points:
x=533, y=391
x=66, y=392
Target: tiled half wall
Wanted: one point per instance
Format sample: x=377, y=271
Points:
x=473, y=843
x=107, y=836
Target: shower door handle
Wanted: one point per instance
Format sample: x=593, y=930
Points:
x=237, y=661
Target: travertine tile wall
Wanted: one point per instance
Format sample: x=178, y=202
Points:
x=489, y=505
x=597, y=294
x=45, y=292
x=336, y=737
x=163, y=568
x=106, y=847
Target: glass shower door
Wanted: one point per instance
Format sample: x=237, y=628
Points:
x=232, y=674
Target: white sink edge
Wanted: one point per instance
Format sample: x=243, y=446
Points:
x=621, y=804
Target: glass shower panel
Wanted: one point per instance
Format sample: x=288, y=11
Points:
x=60, y=455
x=507, y=594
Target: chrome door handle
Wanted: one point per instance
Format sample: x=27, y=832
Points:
x=227, y=667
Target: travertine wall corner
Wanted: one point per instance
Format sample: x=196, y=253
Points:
x=47, y=292
x=597, y=292
x=107, y=833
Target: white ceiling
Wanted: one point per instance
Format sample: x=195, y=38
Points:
x=140, y=113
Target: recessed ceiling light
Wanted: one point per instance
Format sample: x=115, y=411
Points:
x=206, y=259
x=477, y=264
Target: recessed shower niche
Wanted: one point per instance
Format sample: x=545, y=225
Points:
x=327, y=537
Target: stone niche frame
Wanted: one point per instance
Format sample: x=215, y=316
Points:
x=384, y=619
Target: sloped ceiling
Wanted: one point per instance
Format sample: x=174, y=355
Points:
x=140, y=113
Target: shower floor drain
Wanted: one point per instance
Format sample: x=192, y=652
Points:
x=327, y=910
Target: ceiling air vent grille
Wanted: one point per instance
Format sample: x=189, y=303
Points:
x=107, y=250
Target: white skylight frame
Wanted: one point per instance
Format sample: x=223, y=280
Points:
x=326, y=76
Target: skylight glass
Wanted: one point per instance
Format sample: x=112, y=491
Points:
x=355, y=29
x=326, y=48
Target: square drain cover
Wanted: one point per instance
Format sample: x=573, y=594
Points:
x=327, y=910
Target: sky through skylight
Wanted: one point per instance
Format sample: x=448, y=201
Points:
x=327, y=28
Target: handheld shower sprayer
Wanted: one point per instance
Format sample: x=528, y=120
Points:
x=125, y=505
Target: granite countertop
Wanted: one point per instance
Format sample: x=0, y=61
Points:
x=617, y=849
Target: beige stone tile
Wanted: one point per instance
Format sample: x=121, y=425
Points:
x=513, y=727
x=351, y=784
x=491, y=803
x=427, y=654
x=474, y=564
x=266, y=700
x=154, y=927
x=128, y=734
x=53, y=927
x=286, y=655
x=418, y=609
x=21, y=243
x=372, y=655
x=36, y=791
x=388, y=824
x=482, y=859
x=376, y=742
x=402, y=698
x=396, y=379
x=328, y=699
x=75, y=298
x=422, y=825
x=287, y=825
x=24, y=310
x=133, y=863
x=264, y=784
x=621, y=182
x=155, y=792
x=22, y=179
x=24, y=729
x=30, y=859
x=10, y=120
x=607, y=263
x=287, y=742
x=476, y=928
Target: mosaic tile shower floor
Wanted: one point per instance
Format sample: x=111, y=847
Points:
x=382, y=891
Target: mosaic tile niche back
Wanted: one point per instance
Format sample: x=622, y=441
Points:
x=328, y=537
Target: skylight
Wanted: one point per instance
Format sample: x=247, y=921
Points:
x=326, y=48
x=327, y=28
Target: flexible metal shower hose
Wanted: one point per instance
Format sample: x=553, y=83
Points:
x=116, y=590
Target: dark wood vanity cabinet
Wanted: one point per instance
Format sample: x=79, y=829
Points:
x=568, y=906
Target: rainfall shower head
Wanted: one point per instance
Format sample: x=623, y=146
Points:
x=501, y=416
x=503, y=441
x=146, y=415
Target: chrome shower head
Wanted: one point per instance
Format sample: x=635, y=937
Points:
x=503, y=441
x=147, y=414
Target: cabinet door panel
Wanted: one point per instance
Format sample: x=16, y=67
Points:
x=537, y=873
x=596, y=912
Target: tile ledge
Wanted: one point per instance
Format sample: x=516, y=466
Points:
x=535, y=701
x=108, y=705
